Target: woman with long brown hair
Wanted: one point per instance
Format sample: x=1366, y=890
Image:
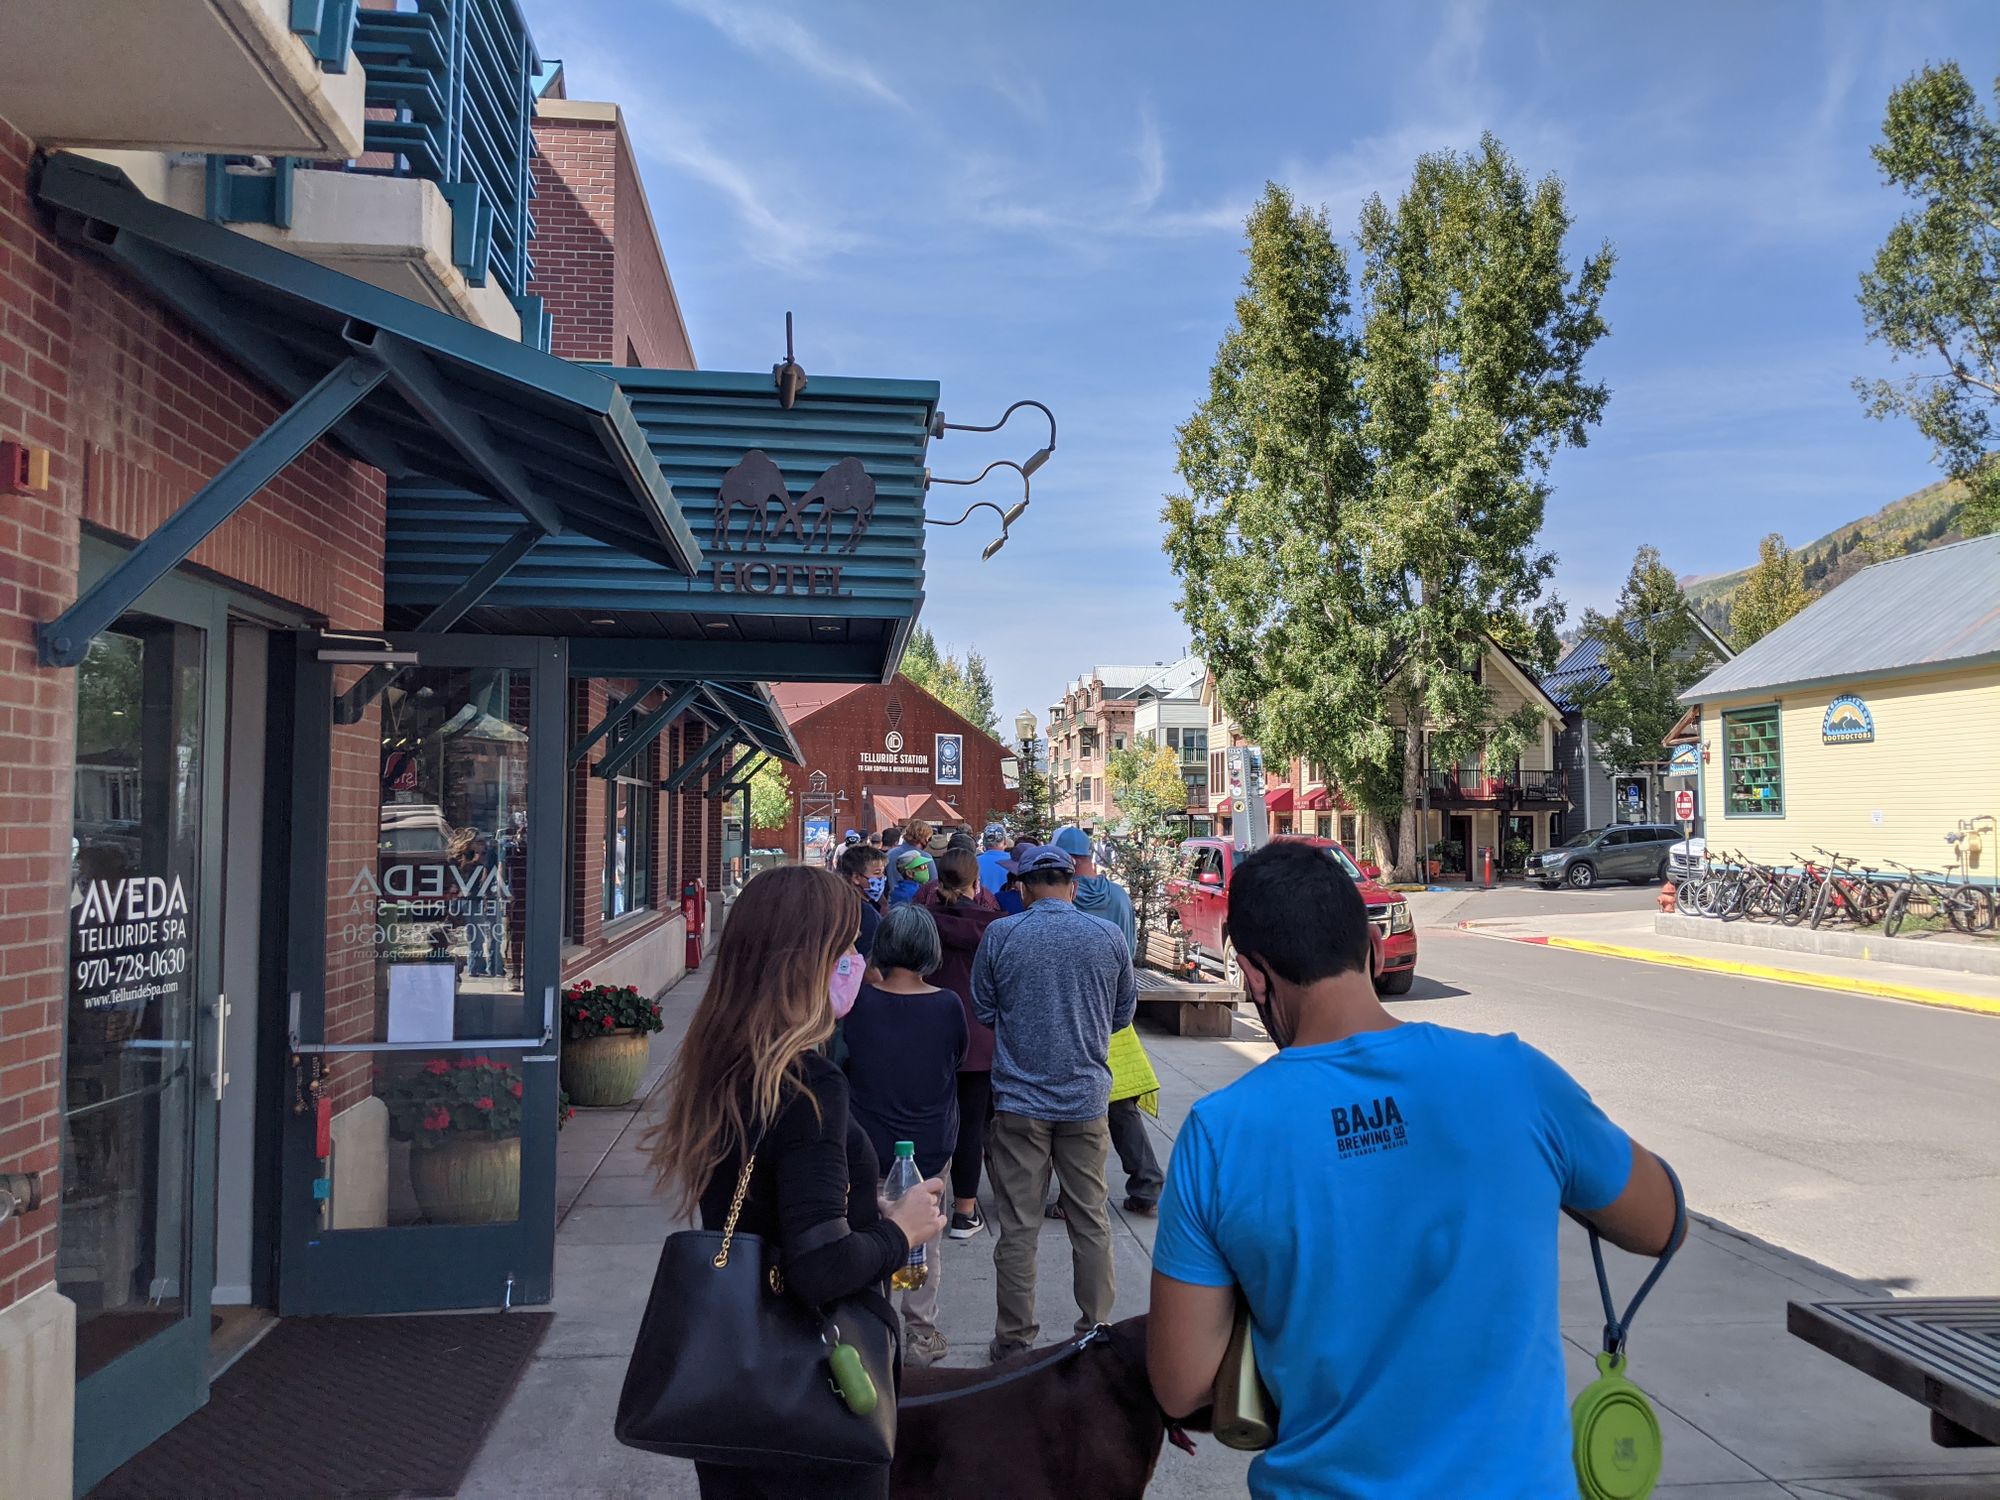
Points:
x=750, y=1079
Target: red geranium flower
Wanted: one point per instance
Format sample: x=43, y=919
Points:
x=484, y=1101
x=437, y=1067
x=437, y=1118
x=514, y=1088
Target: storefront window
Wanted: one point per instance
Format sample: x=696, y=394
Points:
x=628, y=847
x=1753, y=764
x=132, y=1020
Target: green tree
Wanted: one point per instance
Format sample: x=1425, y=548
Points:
x=1934, y=292
x=1653, y=652
x=960, y=684
x=1365, y=486
x=979, y=693
x=1774, y=592
x=770, y=797
x=1151, y=797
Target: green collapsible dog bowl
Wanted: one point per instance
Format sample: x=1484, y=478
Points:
x=1617, y=1447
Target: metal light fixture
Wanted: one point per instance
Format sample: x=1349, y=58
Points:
x=939, y=427
x=789, y=377
x=1007, y=517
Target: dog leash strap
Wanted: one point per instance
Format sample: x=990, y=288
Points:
x=1617, y=1329
x=1069, y=1351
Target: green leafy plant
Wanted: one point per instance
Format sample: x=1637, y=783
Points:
x=590, y=1010
x=453, y=1096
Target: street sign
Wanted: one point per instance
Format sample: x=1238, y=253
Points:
x=1684, y=805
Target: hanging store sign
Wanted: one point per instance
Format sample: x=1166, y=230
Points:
x=1847, y=722
x=757, y=488
x=128, y=941
x=1685, y=761
x=951, y=760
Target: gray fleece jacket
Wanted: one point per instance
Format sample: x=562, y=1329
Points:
x=1053, y=983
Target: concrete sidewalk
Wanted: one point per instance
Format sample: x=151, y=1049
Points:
x=1633, y=935
x=1749, y=1412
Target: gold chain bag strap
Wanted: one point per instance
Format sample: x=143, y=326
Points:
x=728, y=1368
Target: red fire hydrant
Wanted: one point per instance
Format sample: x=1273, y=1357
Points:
x=1669, y=901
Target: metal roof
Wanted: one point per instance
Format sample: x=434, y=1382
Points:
x=1581, y=669
x=1922, y=612
x=797, y=700
x=752, y=709
x=463, y=407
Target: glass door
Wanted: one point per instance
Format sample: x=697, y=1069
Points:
x=142, y=1063
x=419, y=1163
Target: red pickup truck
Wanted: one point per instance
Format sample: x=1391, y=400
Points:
x=1201, y=906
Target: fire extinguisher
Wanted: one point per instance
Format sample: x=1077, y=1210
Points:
x=694, y=907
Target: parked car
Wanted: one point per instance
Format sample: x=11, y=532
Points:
x=1687, y=859
x=1638, y=852
x=1200, y=897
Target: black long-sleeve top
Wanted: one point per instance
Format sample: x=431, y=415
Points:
x=812, y=1171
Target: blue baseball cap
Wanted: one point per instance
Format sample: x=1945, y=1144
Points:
x=1037, y=858
x=1075, y=841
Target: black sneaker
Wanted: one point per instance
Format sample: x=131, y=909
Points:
x=965, y=1226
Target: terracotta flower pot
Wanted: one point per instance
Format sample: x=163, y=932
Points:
x=472, y=1179
x=602, y=1072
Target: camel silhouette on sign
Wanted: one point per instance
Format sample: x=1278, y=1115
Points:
x=844, y=487
x=756, y=484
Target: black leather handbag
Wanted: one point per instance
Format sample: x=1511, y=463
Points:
x=730, y=1368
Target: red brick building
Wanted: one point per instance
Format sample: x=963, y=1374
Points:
x=872, y=756
x=326, y=748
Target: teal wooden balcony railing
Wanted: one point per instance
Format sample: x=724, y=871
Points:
x=450, y=99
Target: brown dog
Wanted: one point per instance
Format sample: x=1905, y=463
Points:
x=1082, y=1426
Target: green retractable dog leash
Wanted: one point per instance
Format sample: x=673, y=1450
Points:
x=1617, y=1436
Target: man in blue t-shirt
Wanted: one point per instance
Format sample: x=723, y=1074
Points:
x=1387, y=1197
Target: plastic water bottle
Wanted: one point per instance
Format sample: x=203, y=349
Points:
x=905, y=1178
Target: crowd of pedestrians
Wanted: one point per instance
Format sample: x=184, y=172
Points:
x=1376, y=1197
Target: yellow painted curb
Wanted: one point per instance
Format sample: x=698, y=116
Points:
x=1887, y=989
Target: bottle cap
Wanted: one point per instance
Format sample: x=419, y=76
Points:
x=906, y=1148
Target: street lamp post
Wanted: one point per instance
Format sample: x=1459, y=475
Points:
x=1024, y=728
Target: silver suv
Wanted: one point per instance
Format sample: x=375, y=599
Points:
x=1632, y=851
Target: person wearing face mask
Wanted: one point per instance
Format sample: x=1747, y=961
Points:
x=1384, y=1197
x=910, y=870
x=862, y=866
x=749, y=1089
x=905, y=1039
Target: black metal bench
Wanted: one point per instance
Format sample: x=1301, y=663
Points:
x=1941, y=1351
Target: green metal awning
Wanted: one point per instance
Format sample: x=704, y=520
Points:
x=811, y=519
x=421, y=395
x=745, y=712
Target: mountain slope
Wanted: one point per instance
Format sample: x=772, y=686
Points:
x=1915, y=523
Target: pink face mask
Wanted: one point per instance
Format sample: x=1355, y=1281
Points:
x=845, y=983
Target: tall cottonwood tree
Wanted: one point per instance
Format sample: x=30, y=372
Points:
x=1933, y=294
x=1774, y=592
x=1653, y=652
x=1365, y=483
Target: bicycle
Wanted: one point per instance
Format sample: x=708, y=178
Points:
x=1696, y=894
x=1960, y=905
x=1960, y=842
x=1863, y=902
x=1802, y=897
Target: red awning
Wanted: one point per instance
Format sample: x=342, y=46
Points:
x=886, y=811
x=1319, y=799
x=1279, y=798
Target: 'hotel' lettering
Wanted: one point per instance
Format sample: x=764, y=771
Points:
x=776, y=578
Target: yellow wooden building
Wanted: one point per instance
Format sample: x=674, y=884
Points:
x=1868, y=724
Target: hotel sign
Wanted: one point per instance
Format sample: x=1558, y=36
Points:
x=757, y=487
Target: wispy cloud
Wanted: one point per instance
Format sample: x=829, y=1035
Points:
x=769, y=33
x=781, y=225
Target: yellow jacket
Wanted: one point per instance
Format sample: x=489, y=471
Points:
x=1132, y=1075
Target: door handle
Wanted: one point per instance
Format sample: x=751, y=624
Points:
x=220, y=1078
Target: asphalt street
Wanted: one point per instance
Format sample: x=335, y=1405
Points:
x=1861, y=1133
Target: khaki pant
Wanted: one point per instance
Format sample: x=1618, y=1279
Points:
x=1020, y=1154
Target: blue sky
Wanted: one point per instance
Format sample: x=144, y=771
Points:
x=1046, y=200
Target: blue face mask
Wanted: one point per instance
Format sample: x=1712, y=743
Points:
x=876, y=885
